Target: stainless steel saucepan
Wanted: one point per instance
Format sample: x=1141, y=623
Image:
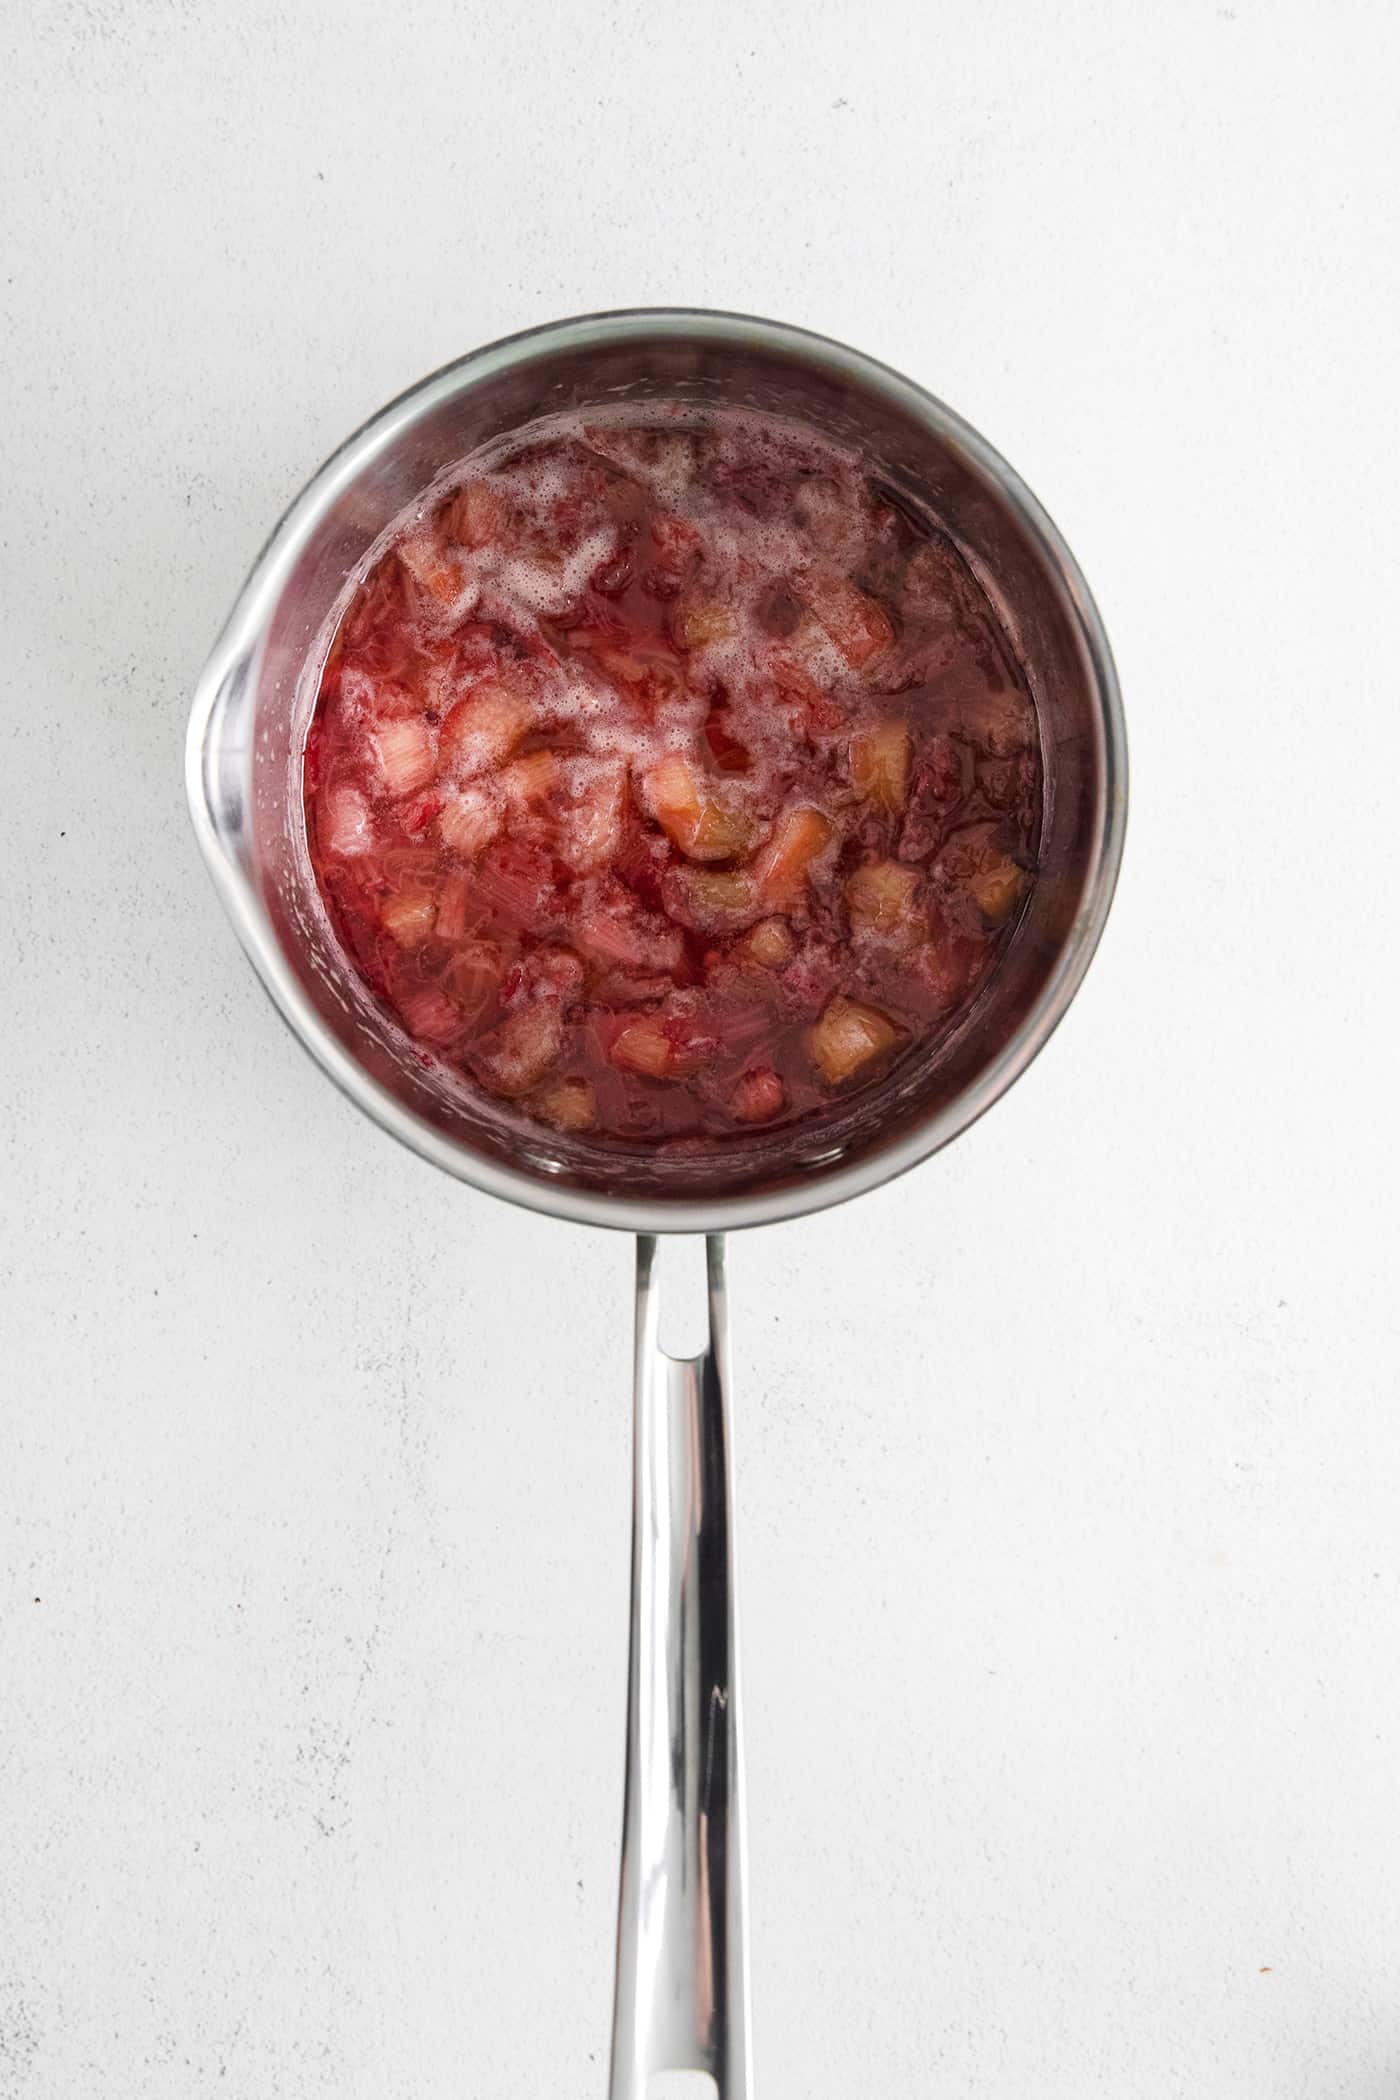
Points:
x=682, y=1998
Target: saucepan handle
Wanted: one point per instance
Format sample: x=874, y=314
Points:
x=682, y=1972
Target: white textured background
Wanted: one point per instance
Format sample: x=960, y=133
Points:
x=1069, y=1468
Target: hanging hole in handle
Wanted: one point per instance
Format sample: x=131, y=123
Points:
x=681, y=2085
x=682, y=1284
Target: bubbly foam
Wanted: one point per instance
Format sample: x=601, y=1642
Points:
x=531, y=575
x=527, y=585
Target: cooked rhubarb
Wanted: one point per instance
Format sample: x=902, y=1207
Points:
x=668, y=778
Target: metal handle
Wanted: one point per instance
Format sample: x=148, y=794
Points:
x=682, y=1966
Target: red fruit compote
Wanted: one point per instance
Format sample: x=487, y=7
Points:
x=671, y=778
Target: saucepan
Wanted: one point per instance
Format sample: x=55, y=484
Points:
x=681, y=1992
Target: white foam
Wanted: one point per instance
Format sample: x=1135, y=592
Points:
x=812, y=647
x=533, y=585
x=746, y=556
x=533, y=483
x=662, y=460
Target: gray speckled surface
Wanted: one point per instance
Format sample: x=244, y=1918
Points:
x=1068, y=1467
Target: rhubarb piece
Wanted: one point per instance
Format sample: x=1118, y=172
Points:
x=881, y=900
x=570, y=1104
x=943, y=966
x=468, y=823
x=514, y=881
x=472, y=978
x=699, y=624
x=879, y=760
x=429, y=1014
x=671, y=793
x=483, y=728
x=703, y=828
x=410, y=916
x=524, y=1047
x=450, y=923
x=973, y=863
x=660, y=1047
x=758, y=1096
x=714, y=900
x=609, y=928
x=771, y=943
x=1001, y=720
x=998, y=889
x=848, y=1037
x=590, y=829
x=555, y=972
x=606, y=935
x=621, y=987
x=378, y=609
x=403, y=754
x=664, y=458
x=438, y=572
x=532, y=778
x=857, y=623
x=782, y=868
x=345, y=825
x=720, y=834
x=412, y=867
x=475, y=514
x=643, y=1046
